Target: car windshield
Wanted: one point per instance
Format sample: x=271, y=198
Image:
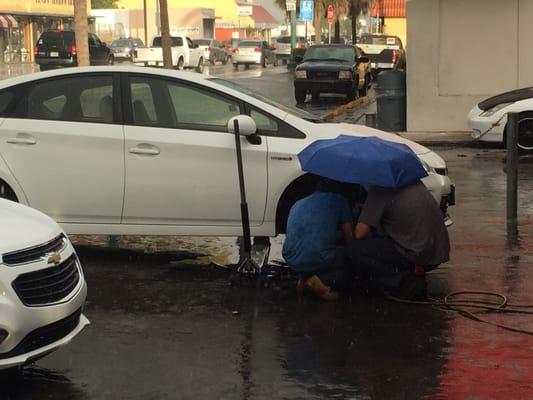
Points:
x=202, y=42
x=120, y=43
x=380, y=40
x=330, y=53
x=256, y=95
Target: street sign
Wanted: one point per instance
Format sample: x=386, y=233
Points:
x=330, y=14
x=291, y=5
x=244, y=11
x=306, y=10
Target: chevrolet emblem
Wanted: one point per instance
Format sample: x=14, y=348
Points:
x=55, y=259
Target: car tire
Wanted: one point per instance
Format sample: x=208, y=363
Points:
x=181, y=64
x=350, y=96
x=200, y=67
x=300, y=96
x=315, y=97
x=525, y=132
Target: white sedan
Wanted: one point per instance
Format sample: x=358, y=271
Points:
x=42, y=286
x=488, y=119
x=127, y=150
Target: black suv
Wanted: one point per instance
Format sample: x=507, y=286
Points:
x=57, y=48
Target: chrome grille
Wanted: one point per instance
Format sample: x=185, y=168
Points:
x=49, y=285
x=34, y=253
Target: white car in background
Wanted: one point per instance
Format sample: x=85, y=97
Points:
x=42, y=286
x=488, y=119
x=127, y=150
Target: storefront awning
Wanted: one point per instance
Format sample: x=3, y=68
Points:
x=7, y=21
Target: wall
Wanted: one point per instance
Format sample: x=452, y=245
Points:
x=461, y=52
x=396, y=27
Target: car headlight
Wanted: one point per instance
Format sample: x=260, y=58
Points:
x=345, y=74
x=301, y=75
x=494, y=109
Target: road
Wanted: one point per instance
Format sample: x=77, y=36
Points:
x=166, y=325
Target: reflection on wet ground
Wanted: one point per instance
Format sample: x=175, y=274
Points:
x=166, y=325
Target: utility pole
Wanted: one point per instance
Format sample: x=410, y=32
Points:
x=81, y=30
x=166, y=42
x=293, y=29
x=145, y=20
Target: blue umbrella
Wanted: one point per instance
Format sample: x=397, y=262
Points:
x=363, y=160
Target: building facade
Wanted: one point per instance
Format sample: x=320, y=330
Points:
x=461, y=52
x=23, y=21
x=390, y=18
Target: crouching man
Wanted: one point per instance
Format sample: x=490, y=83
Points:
x=317, y=228
x=400, y=234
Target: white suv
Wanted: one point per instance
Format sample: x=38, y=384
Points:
x=41, y=285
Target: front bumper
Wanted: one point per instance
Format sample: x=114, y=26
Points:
x=37, y=324
x=57, y=61
x=324, y=86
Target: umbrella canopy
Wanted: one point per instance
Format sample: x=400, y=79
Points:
x=363, y=160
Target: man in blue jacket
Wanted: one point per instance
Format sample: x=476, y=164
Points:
x=317, y=228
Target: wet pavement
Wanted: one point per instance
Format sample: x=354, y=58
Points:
x=166, y=325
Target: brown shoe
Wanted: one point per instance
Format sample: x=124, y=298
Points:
x=314, y=285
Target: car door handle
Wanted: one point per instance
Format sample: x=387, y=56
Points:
x=150, y=151
x=21, y=140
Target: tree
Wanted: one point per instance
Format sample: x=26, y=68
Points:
x=166, y=42
x=95, y=4
x=354, y=9
x=81, y=29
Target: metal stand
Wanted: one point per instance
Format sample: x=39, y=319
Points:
x=512, y=166
x=247, y=265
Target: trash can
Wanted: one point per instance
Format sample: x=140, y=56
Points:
x=391, y=101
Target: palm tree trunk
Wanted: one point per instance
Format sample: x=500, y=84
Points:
x=337, y=36
x=317, y=21
x=81, y=29
x=166, y=42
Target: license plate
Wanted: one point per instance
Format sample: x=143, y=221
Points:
x=54, y=54
x=152, y=63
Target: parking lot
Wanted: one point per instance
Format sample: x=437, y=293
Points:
x=166, y=324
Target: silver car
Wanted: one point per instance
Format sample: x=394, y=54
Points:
x=250, y=52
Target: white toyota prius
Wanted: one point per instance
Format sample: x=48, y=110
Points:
x=128, y=150
x=42, y=288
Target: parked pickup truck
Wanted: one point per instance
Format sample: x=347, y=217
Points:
x=384, y=51
x=185, y=54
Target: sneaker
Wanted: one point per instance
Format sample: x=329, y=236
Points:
x=314, y=285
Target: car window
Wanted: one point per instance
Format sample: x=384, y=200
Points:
x=190, y=43
x=92, y=42
x=79, y=99
x=264, y=123
x=142, y=99
x=196, y=108
x=6, y=97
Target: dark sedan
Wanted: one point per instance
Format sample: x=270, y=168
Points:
x=123, y=48
x=330, y=69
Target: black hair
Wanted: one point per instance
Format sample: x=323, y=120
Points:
x=344, y=189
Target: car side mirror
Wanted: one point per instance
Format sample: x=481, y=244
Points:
x=247, y=126
x=363, y=60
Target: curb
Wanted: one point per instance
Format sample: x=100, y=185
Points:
x=345, y=107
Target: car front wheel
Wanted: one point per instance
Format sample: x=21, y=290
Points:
x=525, y=131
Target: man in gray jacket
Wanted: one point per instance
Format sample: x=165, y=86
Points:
x=400, y=234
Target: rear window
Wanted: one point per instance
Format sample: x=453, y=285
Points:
x=381, y=40
x=121, y=43
x=250, y=44
x=202, y=42
x=176, y=41
x=57, y=38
